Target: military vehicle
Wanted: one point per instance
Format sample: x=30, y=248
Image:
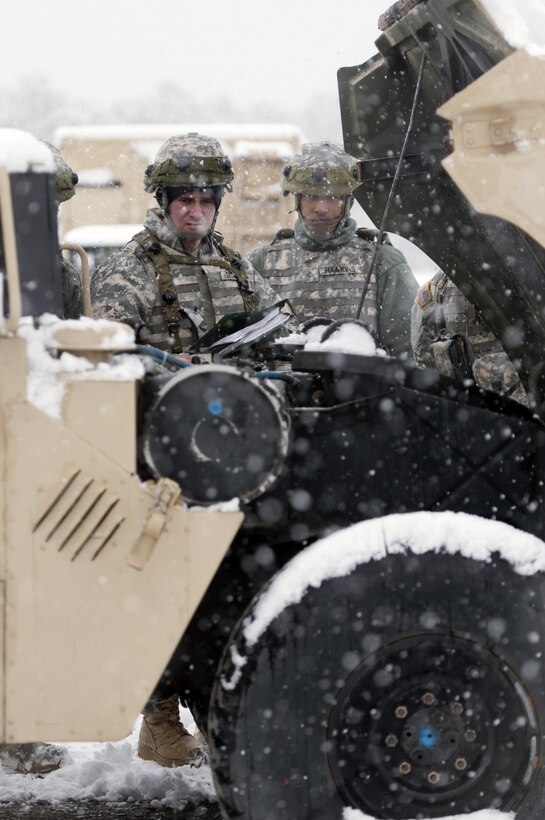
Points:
x=336, y=561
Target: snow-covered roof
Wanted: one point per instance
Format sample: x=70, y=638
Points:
x=227, y=131
x=21, y=152
x=272, y=149
x=95, y=177
x=102, y=236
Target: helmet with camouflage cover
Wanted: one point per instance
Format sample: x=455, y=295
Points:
x=65, y=178
x=189, y=160
x=321, y=169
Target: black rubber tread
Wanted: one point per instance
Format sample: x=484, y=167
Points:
x=274, y=736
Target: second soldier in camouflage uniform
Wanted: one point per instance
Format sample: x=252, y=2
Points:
x=322, y=264
x=175, y=278
x=447, y=334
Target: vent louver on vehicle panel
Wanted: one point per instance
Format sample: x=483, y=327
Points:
x=81, y=519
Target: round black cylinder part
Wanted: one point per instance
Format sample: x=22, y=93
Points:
x=218, y=432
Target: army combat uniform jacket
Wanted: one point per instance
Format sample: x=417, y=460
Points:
x=447, y=334
x=172, y=298
x=329, y=282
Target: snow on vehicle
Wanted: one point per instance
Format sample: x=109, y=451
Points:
x=392, y=669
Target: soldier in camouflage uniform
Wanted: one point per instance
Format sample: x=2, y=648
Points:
x=322, y=264
x=447, y=334
x=175, y=278
x=72, y=291
x=171, y=283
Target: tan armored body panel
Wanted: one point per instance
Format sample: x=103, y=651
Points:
x=498, y=125
x=100, y=573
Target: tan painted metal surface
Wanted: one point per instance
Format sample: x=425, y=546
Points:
x=10, y=252
x=498, y=125
x=100, y=573
x=87, y=634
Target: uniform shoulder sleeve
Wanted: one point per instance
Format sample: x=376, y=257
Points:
x=424, y=329
x=397, y=288
x=264, y=295
x=256, y=258
x=121, y=290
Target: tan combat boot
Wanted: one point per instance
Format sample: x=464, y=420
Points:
x=31, y=758
x=164, y=739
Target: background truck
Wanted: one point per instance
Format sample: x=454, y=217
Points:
x=372, y=640
x=111, y=159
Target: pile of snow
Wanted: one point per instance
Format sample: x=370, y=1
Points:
x=102, y=236
x=113, y=772
x=46, y=377
x=21, y=152
x=350, y=337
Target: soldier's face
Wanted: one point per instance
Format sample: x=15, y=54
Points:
x=193, y=213
x=321, y=214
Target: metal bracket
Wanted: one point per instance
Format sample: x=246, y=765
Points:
x=168, y=493
x=502, y=131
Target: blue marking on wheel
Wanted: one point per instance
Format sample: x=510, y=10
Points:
x=215, y=407
x=428, y=737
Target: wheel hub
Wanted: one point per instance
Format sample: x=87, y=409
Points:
x=428, y=722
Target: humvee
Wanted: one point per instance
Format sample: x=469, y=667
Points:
x=336, y=562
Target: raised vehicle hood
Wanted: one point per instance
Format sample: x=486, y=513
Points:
x=477, y=142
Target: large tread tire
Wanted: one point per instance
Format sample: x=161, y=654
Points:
x=398, y=674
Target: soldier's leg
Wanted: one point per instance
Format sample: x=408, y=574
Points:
x=164, y=739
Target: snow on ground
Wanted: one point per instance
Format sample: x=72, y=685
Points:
x=487, y=814
x=112, y=772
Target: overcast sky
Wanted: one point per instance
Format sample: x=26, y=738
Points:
x=104, y=49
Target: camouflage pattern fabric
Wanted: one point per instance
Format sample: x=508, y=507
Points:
x=441, y=311
x=329, y=283
x=124, y=288
x=72, y=291
x=189, y=159
x=321, y=169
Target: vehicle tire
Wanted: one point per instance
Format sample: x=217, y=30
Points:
x=395, y=668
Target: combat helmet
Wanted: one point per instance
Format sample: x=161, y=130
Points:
x=65, y=178
x=189, y=160
x=321, y=169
